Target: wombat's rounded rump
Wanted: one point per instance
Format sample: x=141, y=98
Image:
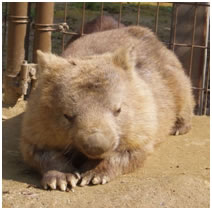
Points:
x=99, y=110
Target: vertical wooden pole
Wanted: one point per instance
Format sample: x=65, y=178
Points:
x=43, y=22
x=18, y=20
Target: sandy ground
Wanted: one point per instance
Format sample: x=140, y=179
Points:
x=176, y=175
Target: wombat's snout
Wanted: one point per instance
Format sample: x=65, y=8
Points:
x=95, y=145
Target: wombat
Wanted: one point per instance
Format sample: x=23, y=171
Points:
x=98, y=111
x=99, y=23
x=103, y=23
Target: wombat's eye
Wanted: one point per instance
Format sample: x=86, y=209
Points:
x=70, y=118
x=117, y=111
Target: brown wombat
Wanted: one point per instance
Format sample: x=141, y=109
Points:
x=97, y=112
x=99, y=23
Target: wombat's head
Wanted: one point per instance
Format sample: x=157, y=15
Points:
x=86, y=98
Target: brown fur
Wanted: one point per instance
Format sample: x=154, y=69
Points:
x=105, y=105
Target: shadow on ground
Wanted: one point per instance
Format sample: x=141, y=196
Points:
x=12, y=160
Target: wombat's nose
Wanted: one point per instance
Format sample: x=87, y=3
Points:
x=96, y=144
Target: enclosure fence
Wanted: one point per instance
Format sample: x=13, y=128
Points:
x=31, y=26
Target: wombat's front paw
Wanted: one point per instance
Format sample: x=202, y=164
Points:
x=180, y=127
x=176, y=130
x=53, y=179
x=92, y=177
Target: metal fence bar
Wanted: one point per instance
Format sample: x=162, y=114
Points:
x=64, y=18
x=156, y=17
x=175, y=25
x=73, y=33
x=205, y=61
x=101, y=14
x=200, y=89
x=207, y=90
x=120, y=14
x=138, y=13
x=191, y=56
x=5, y=27
x=83, y=19
x=188, y=45
x=193, y=37
x=194, y=3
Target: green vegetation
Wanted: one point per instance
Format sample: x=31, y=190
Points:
x=93, y=9
x=128, y=16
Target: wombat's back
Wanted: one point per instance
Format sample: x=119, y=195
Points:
x=155, y=64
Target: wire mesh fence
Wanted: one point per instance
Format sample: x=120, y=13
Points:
x=183, y=27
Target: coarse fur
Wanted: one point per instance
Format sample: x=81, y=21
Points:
x=98, y=111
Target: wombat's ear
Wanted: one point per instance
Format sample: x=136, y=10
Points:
x=49, y=61
x=43, y=59
x=124, y=58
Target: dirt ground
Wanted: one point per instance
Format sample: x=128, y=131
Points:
x=177, y=174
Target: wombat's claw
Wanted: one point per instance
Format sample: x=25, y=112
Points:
x=180, y=128
x=177, y=133
x=94, y=179
x=73, y=179
x=87, y=178
x=85, y=181
x=180, y=131
x=52, y=179
x=99, y=180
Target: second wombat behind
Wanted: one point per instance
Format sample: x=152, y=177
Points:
x=99, y=23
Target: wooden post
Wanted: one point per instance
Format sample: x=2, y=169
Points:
x=18, y=20
x=43, y=23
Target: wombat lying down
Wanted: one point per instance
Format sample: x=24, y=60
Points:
x=98, y=111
